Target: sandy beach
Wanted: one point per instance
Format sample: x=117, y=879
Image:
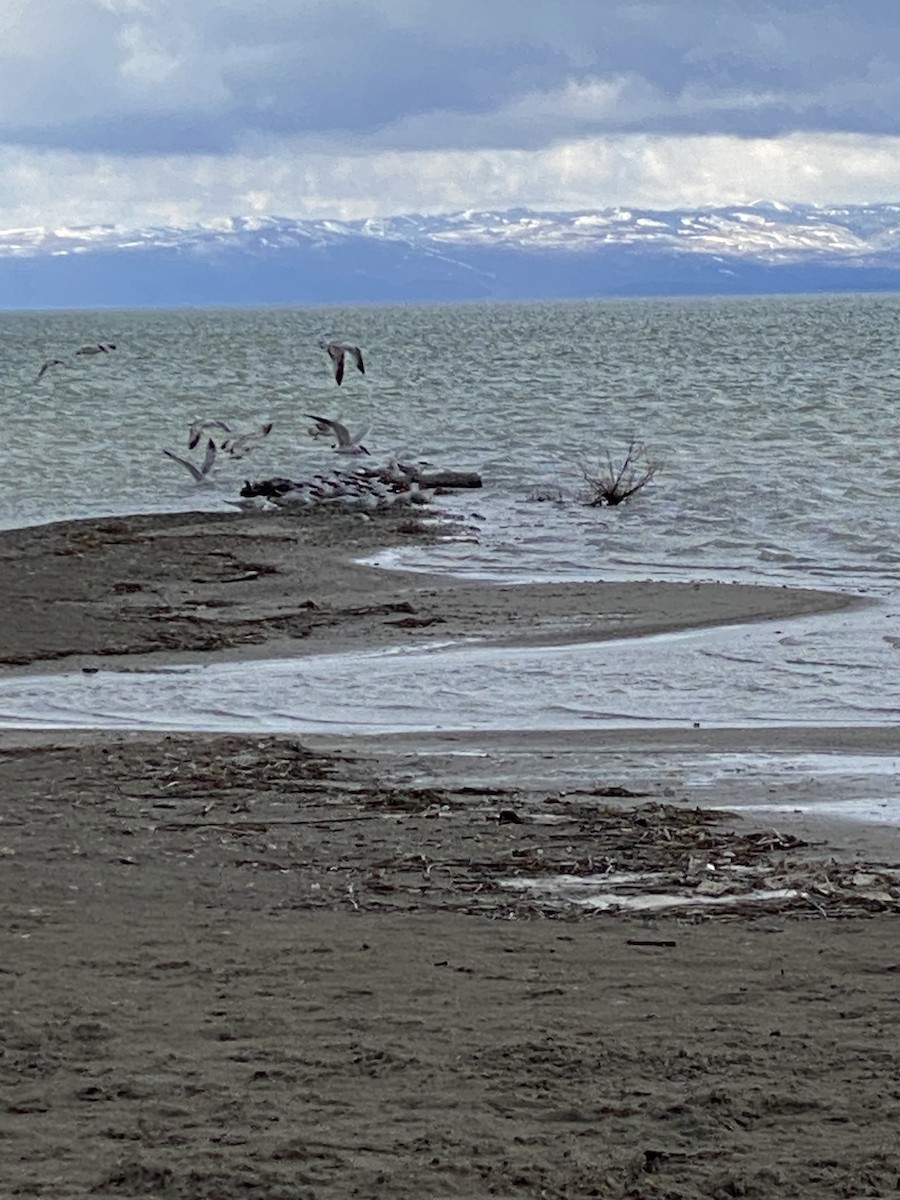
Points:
x=289, y=968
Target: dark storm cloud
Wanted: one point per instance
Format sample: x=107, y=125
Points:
x=207, y=76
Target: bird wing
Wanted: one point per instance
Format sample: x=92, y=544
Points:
x=197, y=428
x=198, y=475
x=358, y=437
x=357, y=354
x=339, y=430
x=335, y=352
x=45, y=367
x=342, y=433
x=209, y=458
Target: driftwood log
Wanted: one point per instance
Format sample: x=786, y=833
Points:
x=447, y=479
x=409, y=476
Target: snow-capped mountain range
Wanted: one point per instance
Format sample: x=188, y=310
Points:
x=760, y=247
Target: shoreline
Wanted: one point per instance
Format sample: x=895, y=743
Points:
x=416, y=965
x=168, y=591
x=163, y=591
x=200, y=587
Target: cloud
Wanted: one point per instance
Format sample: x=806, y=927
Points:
x=158, y=111
x=157, y=77
x=635, y=170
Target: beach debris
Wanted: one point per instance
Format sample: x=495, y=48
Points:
x=543, y=494
x=688, y=868
x=614, y=481
x=337, y=352
x=250, y=801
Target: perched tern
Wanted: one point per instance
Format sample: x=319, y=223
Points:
x=252, y=504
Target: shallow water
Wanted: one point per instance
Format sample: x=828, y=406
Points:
x=723, y=677
x=772, y=421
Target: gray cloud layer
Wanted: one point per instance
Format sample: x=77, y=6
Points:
x=142, y=77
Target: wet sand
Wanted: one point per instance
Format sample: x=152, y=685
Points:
x=207, y=587
x=330, y=967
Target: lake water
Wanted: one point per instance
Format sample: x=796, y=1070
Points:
x=772, y=420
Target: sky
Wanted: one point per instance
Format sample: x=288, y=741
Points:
x=178, y=112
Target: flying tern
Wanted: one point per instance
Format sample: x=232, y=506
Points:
x=45, y=367
x=199, y=427
x=199, y=473
x=337, y=352
x=346, y=444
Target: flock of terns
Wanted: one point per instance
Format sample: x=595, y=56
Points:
x=236, y=445
x=366, y=488
x=82, y=351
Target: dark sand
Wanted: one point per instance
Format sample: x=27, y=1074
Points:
x=275, y=968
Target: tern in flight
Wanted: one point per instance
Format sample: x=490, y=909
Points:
x=345, y=443
x=337, y=351
x=240, y=445
x=45, y=367
x=199, y=473
x=198, y=428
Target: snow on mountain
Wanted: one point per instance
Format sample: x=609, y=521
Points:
x=471, y=254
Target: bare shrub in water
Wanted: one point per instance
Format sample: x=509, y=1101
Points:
x=614, y=481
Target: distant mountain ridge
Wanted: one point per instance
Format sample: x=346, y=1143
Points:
x=516, y=254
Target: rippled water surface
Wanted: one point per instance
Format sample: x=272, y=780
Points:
x=772, y=421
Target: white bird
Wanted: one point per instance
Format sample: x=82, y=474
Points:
x=45, y=367
x=301, y=496
x=198, y=428
x=336, y=351
x=252, y=504
x=199, y=473
x=322, y=428
x=97, y=348
x=237, y=447
x=346, y=444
